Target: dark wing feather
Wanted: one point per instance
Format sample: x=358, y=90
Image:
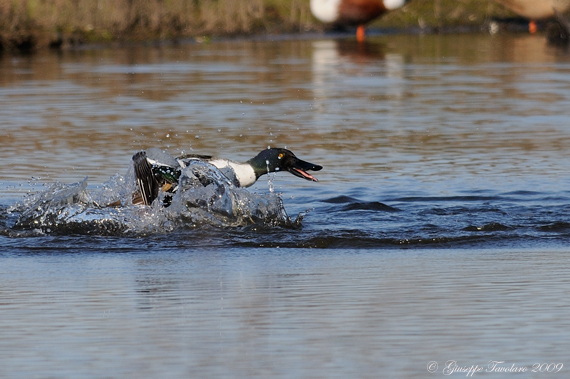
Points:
x=146, y=181
x=195, y=156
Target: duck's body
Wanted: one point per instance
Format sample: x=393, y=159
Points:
x=353, y=12
x=156, y=170
x=536, y=9
x=241, y=174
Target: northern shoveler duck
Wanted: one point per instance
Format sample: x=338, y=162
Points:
x=536, y=9
x=157, y=170
x=353, y=12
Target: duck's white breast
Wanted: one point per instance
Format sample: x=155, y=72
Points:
x=325, y=10
x=394, y=4
x=244, y=172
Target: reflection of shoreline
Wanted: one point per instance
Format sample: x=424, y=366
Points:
x=345, y=71
x=84, y=113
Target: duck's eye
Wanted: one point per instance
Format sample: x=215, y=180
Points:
x=280, y=155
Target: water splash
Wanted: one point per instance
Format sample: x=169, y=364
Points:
x=270, y=178
x=204, y=197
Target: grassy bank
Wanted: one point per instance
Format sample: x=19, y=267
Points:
x=32, y=24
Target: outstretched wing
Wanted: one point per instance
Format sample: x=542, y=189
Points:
x=148, y=185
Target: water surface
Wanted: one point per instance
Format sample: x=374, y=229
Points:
x=438, y=229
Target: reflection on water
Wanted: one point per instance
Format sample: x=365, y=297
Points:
x=451, y=142
x=472, y=101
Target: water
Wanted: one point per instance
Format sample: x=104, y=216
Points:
x=438, y=229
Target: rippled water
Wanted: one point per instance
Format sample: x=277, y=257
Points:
x=438, y=229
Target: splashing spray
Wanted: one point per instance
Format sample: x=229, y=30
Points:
x=270, y=177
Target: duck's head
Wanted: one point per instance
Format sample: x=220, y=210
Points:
x=277, y=159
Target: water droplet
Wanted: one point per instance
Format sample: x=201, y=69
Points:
x=270, y=179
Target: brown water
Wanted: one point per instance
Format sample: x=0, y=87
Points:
x=438, y=229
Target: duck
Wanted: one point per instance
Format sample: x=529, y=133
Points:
x=536, y=9
x=353, y=12
x=156, y=170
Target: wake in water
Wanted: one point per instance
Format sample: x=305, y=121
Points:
x=75, y=209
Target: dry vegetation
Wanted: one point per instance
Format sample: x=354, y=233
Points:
x=40, y=23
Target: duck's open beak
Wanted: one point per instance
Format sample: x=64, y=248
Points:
x=299, y=168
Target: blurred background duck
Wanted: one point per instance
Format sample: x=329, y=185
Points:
x=353, y=12
x=536, y=10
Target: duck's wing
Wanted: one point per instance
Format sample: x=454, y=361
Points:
x=185, y=159
x=148, y=185
x=195, y=156
x=160, y=157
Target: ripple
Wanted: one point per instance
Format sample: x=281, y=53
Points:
x=356, y=204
